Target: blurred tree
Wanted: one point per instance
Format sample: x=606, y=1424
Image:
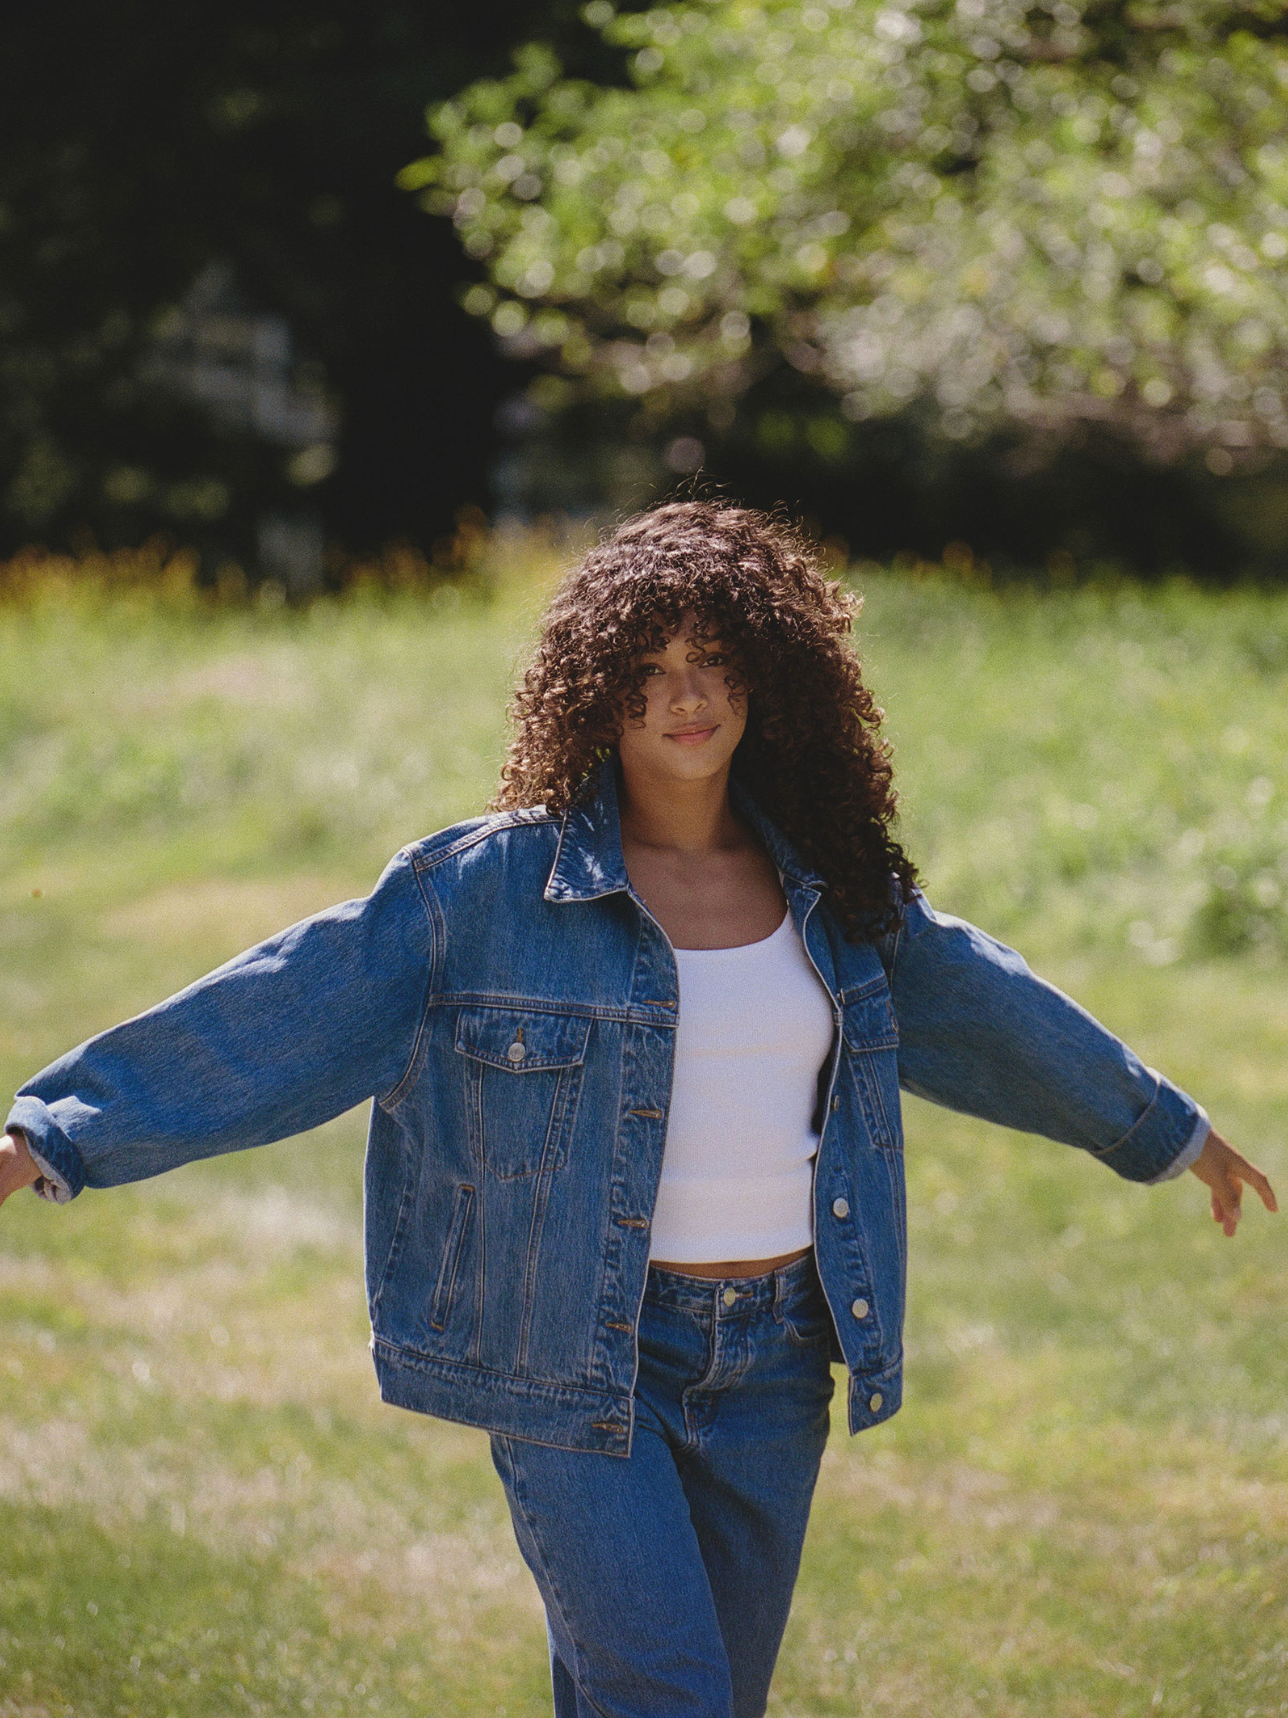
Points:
x=989, y=217
x=216, y=308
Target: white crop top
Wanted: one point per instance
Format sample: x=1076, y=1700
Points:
x=754, y=1029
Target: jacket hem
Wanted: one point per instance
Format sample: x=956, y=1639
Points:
x=561, y=1416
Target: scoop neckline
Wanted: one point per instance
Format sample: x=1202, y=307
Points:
x=739, y=948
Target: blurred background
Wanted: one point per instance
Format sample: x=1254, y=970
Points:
x=328, y=334
x=1004, y=277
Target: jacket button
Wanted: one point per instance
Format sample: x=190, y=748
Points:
x=875, y=1400
x=840, y=1207
x=859, y=1308
x=836, y=1104
x=516, y=1052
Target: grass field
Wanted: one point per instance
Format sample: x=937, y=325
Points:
x=1083, y=1510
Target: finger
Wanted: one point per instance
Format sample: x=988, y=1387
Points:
x=1260, y=1185
x=1233, y=1211
x=1240, y=1171
x=1226, y=1204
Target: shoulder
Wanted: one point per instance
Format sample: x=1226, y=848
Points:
x=498, y=837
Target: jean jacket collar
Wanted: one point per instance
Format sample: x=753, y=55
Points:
x=589, y=863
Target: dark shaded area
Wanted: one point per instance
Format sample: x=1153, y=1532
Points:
x=242, y=156
x=1089, y=502
x=1088, y=505
x=143, y=142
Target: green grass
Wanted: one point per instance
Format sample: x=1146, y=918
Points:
x=1082, y=1512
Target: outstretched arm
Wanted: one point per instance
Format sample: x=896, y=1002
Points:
x=980, y=1032
x=280, y=1039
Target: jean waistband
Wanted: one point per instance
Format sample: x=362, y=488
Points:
x=725, y=1297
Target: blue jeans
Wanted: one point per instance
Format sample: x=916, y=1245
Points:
x=667, y=1575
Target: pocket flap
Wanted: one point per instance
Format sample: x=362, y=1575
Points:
x=520, y=1040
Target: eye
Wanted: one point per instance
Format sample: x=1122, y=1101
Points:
x=649, y=668
x=717, y=659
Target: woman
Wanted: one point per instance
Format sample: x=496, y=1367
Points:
x=635, y=1041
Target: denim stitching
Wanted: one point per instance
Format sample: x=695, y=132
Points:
x=420, y=1041
x=713, y=1357
x=411, y=1185
x=525, y=817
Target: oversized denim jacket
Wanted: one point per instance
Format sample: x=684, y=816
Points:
x=510, y=1005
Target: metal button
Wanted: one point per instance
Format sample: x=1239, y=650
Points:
x=840, y=1207
x=516, y=1052
x=859, y=1308
x=836, y=1104
x=875, y=1400
x=729, y=1296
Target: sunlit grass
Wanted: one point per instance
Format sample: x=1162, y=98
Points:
x=1083, y=1508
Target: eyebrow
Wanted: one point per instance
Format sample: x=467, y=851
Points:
x=699, y=643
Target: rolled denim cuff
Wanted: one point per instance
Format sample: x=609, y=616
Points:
x=51, y=1185
x=1189, y=1152
x=56, y=1157
x=1160, y=1136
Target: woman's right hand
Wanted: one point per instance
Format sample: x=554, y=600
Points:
x=17, y=1166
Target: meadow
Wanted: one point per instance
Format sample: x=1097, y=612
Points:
x=1082, y=1511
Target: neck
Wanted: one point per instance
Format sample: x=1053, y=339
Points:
x=686, y=816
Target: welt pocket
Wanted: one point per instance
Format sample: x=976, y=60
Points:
x=521, y=1040
x=445, y=1287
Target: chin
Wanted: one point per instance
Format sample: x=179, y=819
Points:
x=687, y=767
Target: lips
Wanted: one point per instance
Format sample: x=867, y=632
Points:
x=691, y=736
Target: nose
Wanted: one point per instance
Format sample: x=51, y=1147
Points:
x=686, y=692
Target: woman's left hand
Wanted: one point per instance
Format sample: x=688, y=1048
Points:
x=1224, y=1170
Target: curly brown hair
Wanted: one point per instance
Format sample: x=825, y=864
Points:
x=811, y=757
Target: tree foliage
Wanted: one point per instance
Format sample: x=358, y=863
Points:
x=1045, y=215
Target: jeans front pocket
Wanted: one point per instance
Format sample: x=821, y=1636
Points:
x=805, y=1317
x=809, y=1330
x=523, y=1070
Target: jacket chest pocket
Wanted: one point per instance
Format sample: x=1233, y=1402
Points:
x=523, y=1072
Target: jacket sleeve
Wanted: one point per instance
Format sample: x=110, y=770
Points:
x=979, y=1032
x=277, y=1040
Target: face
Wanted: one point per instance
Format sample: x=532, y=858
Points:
x=692, y=721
